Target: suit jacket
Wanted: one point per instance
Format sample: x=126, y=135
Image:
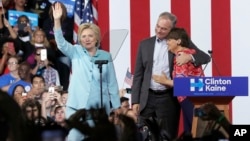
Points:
x=143, y=69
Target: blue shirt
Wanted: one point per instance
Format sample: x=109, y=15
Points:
x=6, y=79
x=84, y=87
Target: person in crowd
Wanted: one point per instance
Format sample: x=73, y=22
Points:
x=50, y=100
x=38, y=41
x=124, y=104
x=6, y=4
x=40, y=7
x=7, y=79
x=24, y=29
x=38, y=87
x=66, y=24
x=64, y=98
x=12, y=32
x=63, y=63
x=19, y=94
x=24, y=72
x=21, y=34
x=8, y=47
x=50, y=75
x=154, y=58
x=177, y=42
x=26, y=39
x=43, y=66
x=60, y=117
x=20, y=5
x=31, y=110
x=12, y=121
x=84, y=90
x=130, y=113
x=129, y=129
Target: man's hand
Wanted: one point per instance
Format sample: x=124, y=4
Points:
x=163, y=79
x=135, y=108
x=122, y=92
x=160, y=78
x=183, y=58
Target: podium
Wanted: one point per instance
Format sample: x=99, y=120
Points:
x=221, y=102
x=218, y=90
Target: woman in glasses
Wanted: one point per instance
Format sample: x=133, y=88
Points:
x=7, y=79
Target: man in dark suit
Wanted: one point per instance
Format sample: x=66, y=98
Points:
x=151, y=99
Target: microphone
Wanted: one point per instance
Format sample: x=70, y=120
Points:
x=100, y=62
x=213, y=61
x=210, y=52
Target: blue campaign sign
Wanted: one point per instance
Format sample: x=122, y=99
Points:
x=211, y=86
x=13, y=16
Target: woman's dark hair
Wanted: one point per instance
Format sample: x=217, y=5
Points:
x=130, y=130
x=22, y=16
x=179, y=33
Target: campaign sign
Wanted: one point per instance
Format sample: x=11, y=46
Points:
x=13, y=16
x=211, y=86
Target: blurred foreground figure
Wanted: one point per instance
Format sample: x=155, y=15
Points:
x=93, y=124
x=217, y=127
x=12, y=125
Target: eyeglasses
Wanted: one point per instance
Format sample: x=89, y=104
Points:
x=12, y=63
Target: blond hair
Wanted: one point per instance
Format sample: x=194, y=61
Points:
x=94, y=28
x=45, y=42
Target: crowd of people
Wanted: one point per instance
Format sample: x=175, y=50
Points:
x=50, y=87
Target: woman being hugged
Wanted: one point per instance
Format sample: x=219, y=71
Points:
x=84, y=87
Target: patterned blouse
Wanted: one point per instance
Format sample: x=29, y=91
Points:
x=187, y=70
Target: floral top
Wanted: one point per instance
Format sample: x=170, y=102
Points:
x=187, y=70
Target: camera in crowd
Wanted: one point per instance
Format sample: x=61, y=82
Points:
x=199, y=112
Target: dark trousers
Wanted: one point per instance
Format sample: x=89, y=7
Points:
x=166, y=109
x=187, y=110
